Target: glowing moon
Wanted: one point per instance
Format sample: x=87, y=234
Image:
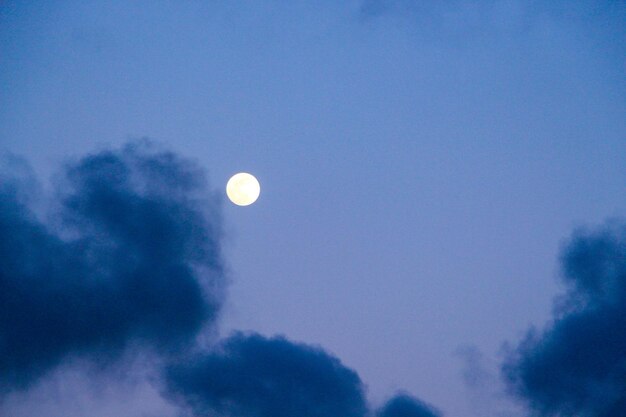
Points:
x=243, y=189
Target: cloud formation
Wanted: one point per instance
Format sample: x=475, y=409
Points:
x=133, y=258
x=250, y=375
x=404, y=405
x=254, y=376
x=577, y=365
x=130, y=256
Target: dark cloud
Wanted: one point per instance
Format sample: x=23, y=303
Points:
x=404, y=405
x=577, y=365
x=130, y=256
x=133, y=258
x=253, y=376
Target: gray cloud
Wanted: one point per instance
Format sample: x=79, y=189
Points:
x=577, y=365
x=134, y=258
x=404, y=405
x=250, y=375
x=254, y=376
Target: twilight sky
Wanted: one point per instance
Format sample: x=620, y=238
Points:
x=426, y=169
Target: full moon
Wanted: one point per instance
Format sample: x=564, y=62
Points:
x=243, y=189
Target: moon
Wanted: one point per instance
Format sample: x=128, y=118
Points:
x=243, y=189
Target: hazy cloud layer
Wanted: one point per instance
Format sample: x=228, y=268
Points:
x=577, y=365
x=133, y=257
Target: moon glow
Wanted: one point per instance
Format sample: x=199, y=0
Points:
x=243, y=189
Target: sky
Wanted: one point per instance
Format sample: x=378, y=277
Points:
x=437, y=178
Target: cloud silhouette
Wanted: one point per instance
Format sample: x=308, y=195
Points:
x=404, y=405
x=250, y=375
x=130, y=256
x=577, y=365
x=134, y=257
x=254, y=376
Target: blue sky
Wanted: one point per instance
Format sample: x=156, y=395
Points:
x=421, y=165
